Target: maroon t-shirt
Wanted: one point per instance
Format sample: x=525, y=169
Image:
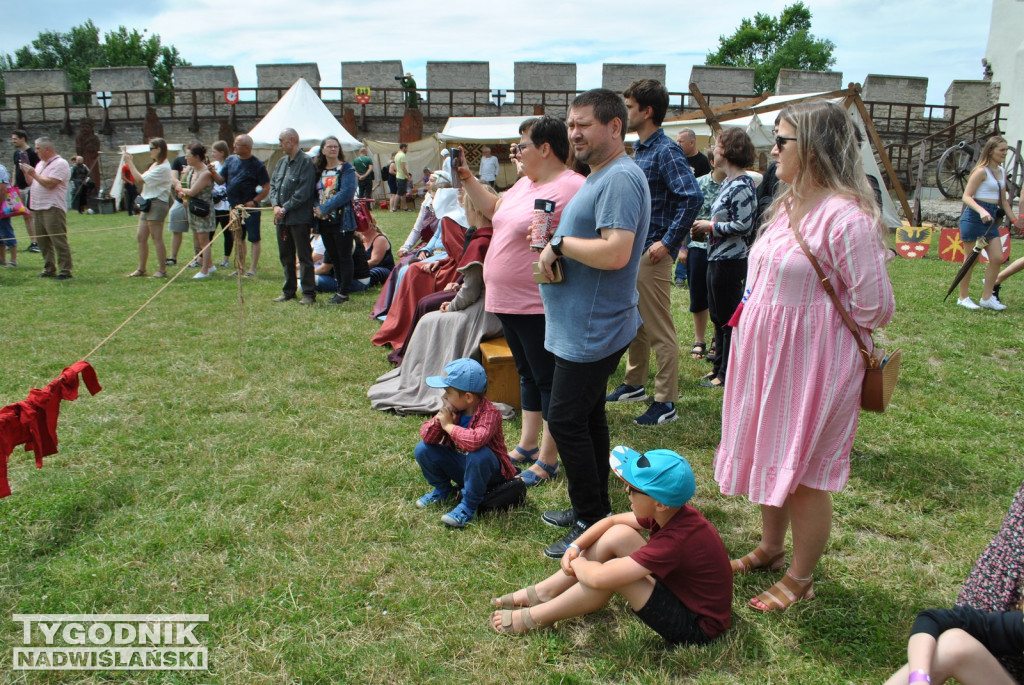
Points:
x=689, y=558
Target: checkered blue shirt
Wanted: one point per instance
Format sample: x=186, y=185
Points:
x=675, y=196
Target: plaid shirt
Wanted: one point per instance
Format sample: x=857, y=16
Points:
x=484, y=430
x=675, y=195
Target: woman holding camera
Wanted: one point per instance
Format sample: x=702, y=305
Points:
x=155, y=193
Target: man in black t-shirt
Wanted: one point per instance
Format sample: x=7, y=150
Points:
x=687, y=140
x=24, y=154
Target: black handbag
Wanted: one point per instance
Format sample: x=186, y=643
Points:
x=142, y=204
x=198, y=207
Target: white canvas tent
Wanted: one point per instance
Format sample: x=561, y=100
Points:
x=140, y=155
x=301, y=109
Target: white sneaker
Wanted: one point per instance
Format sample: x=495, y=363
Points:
x=225, y=264
x=202, y=275
x=212, y=269
x=967, y=303
x=993, y=304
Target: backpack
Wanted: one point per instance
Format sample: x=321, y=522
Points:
x=504, y=496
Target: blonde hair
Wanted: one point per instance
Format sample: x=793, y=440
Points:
x=986, y=152
x=828, y=149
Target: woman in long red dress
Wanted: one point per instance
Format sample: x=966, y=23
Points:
x=424, y=278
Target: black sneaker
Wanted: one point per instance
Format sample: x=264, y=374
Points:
x=63, y=277
x=557, y=549
x=338, y=299
x=559, y=518
x=34, y=247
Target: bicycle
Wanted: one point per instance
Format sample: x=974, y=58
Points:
x=957, y=162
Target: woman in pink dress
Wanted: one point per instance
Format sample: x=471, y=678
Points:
x=789, y=419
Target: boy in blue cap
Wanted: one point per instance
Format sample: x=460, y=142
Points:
x=679, y=582
x=463, y=444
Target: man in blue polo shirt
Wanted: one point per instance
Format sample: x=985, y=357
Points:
x=591, y=316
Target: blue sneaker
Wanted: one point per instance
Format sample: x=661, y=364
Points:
x=457, y=517
x=627, y=393
x=657, y=414
x=431, y=497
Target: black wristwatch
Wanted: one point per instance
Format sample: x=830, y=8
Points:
x=556, y=245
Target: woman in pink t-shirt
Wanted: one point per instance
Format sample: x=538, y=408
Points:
x=510, y=291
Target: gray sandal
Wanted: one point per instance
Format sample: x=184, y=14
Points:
x=524, y=616
x=506, y=601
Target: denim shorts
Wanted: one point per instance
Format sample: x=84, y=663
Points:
x=7, y=238
x=972, y=227
x=668, y=616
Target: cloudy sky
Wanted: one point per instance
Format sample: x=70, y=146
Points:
x=940, y=39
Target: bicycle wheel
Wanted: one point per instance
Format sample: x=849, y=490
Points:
x=1014, y=169
x=952, y=171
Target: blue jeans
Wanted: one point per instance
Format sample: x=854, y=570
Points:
x=474, y=472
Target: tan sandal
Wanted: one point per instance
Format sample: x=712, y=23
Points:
x=526, y=622
x=507, y=601
x=159, y=274
x=758, y=560
x=784, y=594
x=138, y=273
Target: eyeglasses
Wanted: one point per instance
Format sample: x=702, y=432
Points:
x=780, y=141
x=520, y=146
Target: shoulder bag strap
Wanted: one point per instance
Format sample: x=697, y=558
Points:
x=827, y=284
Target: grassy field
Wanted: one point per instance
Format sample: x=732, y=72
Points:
x=232, y=466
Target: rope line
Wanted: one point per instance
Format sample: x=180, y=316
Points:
x=238, y=215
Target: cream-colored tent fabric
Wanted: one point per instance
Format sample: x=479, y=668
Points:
x=423, y=153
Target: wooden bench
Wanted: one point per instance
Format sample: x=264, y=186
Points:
x=502, y=376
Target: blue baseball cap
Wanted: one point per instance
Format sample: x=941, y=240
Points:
x=462, y=374
x=662, y=475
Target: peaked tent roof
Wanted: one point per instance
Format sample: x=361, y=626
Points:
x=301, y=109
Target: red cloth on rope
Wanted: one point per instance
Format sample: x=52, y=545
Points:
x=33, y=421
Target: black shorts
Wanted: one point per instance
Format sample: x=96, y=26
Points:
x=668, y=616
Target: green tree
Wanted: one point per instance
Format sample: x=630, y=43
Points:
x=80, y=49
x=768, y=44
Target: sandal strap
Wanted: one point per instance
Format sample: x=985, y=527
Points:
x=507, y=626
x=552, y=471
x=508, y=601
x=786, y=593
x=757, y=559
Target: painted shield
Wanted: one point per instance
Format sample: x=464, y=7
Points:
x=913, y=242
x=1004, y=240
x=951, y=248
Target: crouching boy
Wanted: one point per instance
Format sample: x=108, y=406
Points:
x=463, y=444
x=679, y=582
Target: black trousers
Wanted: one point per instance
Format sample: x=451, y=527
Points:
x=338, y=251
x=292, y=242
x=524, y=334
x=725, y=291
x=577, y=420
